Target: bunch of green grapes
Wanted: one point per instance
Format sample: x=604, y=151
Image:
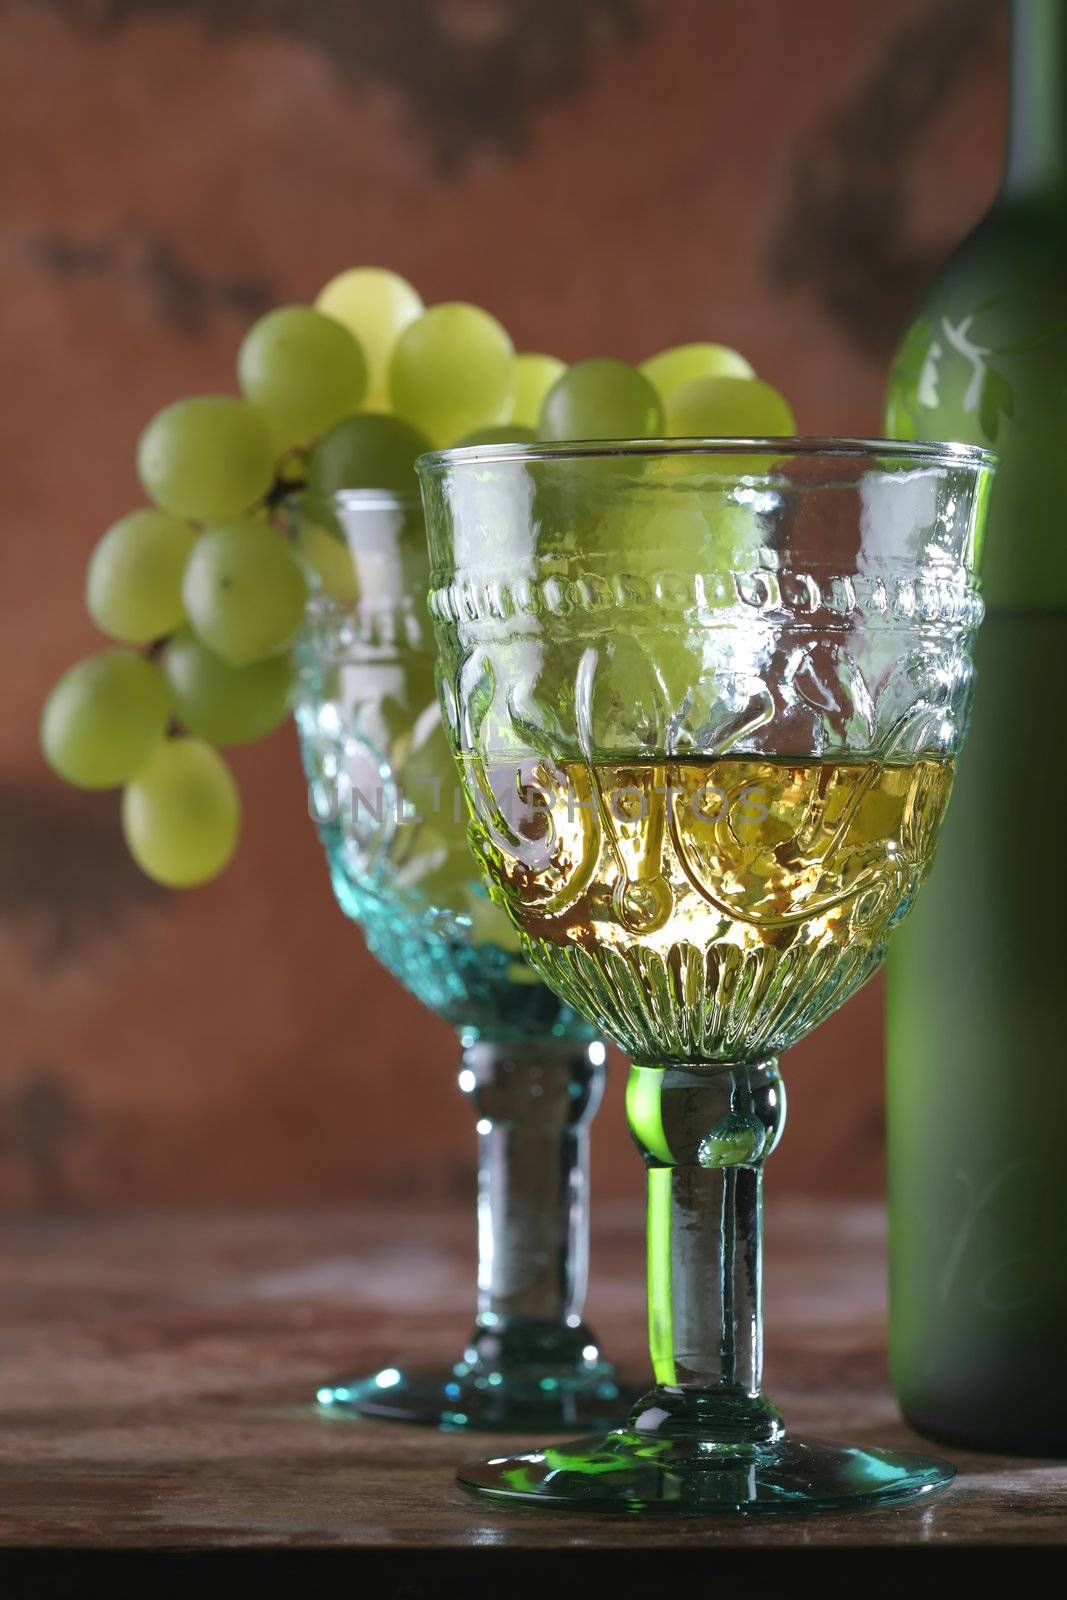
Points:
x=203, y=590
x=692, y=391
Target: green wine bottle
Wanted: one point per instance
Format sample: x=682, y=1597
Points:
x=977, y=1014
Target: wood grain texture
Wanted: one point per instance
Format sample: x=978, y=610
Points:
x=155, y=1375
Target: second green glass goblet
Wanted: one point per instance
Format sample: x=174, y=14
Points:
x=707, y=698
x=383, y=792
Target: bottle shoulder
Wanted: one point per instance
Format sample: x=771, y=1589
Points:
x=991, y=330
x=985, y=362
x=1015, y=251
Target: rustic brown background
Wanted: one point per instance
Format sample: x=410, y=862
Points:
x=609, y=177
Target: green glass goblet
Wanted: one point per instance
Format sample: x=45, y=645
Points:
x=707, y=698
x=384, y=794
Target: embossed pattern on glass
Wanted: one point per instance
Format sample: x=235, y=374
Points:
x=707, y=700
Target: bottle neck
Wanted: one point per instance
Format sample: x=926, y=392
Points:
x=1036, y=159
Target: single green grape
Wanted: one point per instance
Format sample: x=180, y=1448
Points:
x=244, y=591
x=728, y=408
x=453, y=370
x=430, y=777
x=220, y=703
x=376, y=306
x=534, y=376
x=329, y=560
x=652, y=534
x=208, y=457
x=292, y=467
x=440, y=866
x=303, y=371
x=701, y=532
x=133, y=587
x=182, y=814
x=502, y=433
x=490, y=925
x=370, y=451
x=685, y=363
x=104, y=718
x=601, y=399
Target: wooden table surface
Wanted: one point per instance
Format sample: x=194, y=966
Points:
x=155, y=1375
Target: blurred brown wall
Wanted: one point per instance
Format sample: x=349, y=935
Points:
x=609, y=177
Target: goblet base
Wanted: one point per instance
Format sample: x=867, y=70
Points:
x=628, y=1471
x=453, y=1399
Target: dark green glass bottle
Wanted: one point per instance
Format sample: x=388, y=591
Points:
x=977, y=1010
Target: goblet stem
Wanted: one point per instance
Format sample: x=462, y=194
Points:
x=531, y=1361
x=704, y=1133
x=705, y=1439
x=535, y=1100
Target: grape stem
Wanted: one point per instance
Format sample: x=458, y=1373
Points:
x=281, y=489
